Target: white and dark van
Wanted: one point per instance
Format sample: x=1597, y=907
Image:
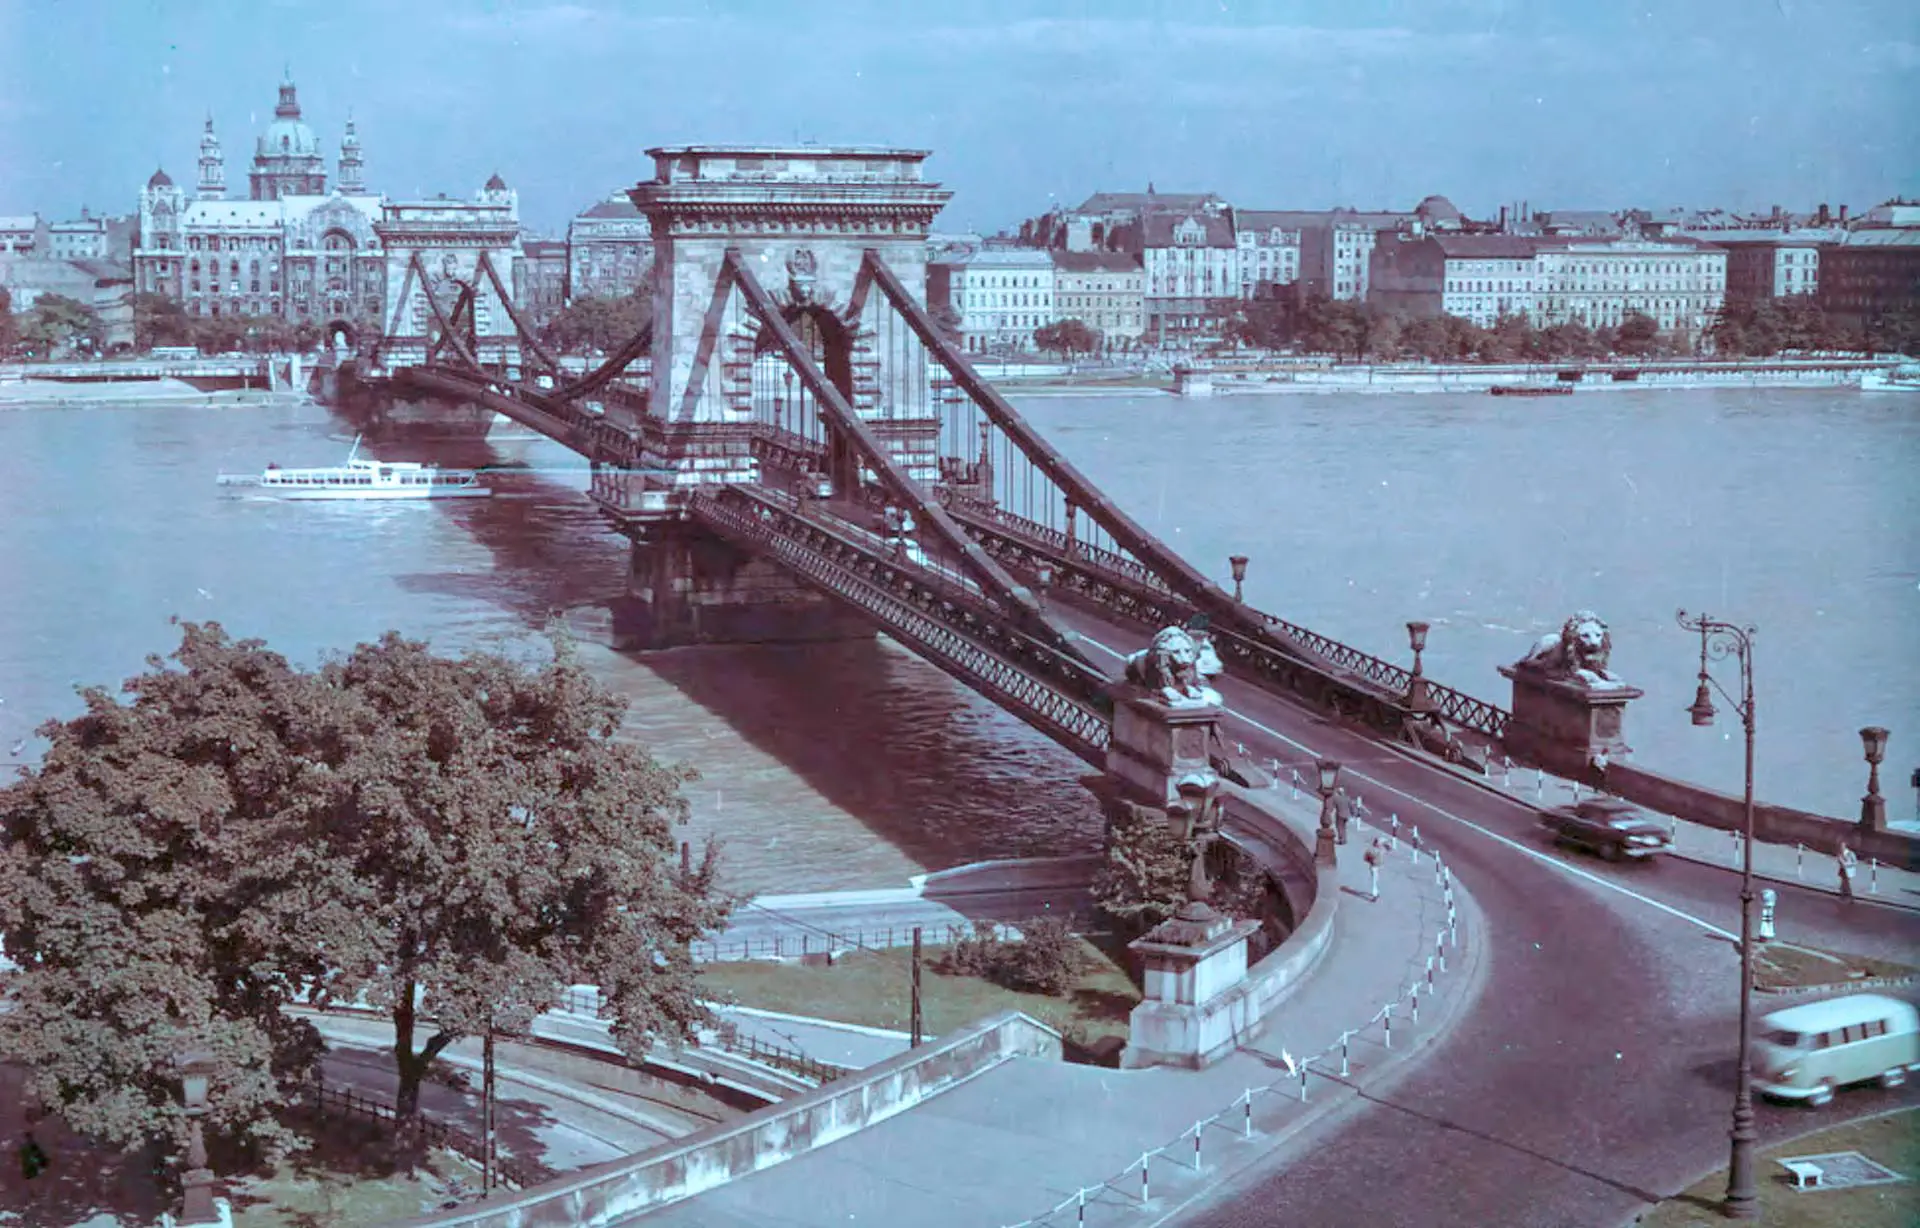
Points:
x=1805, y=1052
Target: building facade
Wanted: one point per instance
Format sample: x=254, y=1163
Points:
x=609, y=250
x=1103, y=290
x=1875, y=272
x=1192, y=268
x=540, y=283
x=1269, y=243
x=1680, y=283
x=1763, y=266
x=84, y=238
x=23, y=235
x=291, y=250
x=1000, y=297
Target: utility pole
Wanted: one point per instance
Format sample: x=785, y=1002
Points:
x=914, y=1027
x=486, y=1114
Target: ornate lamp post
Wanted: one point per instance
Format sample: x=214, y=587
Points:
x=1239, y=564
x=1043, y=579
x=1325, y=839
x=1195, y=816
x=195, y=1067
x=1873, y=807
x=1417, y=697
x=1718, y=641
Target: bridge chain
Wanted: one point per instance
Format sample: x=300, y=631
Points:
x=969, y=639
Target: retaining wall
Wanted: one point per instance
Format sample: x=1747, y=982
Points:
x=611, y=1192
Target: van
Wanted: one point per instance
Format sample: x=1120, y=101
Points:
x=1805, y=1052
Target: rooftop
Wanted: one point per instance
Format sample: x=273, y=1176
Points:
x=786, y=151
x=1094, y=262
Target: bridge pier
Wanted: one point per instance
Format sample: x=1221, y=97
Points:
x=685, y=586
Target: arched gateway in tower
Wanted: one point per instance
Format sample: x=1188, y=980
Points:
x=802, y=219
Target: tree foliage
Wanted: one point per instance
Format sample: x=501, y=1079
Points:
x=1144, y=878
x=9, y=327
x=59, y=323
x=599, y=322
x=1353, y=330
x=1048, y=958
x=453, y=841
x=1067, y=337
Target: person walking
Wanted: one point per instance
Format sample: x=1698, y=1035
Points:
x=1848, y=864
x=1375, y=855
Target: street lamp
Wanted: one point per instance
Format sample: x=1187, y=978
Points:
x=1044, y=579
x=1239, y=564
x=1196, y=818
x=1718, y=641
x=1873, y=807
x=1325, y=838
x=195, y=1068
x=1417, y=697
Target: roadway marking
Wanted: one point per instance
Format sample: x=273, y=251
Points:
x=1374, y=782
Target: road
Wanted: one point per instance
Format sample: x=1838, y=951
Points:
x=1594, y=1074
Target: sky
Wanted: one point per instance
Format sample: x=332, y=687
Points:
x=1311, y=104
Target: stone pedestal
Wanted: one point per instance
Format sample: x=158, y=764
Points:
x=1155, y=744
x=1559, y=723
x=1190, y=963
x=685, y=586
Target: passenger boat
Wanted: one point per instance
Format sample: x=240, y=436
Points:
x=1903, y=378
x=364, y=478
x=1531, y=390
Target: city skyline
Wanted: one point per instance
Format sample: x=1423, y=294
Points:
x=1483, y=101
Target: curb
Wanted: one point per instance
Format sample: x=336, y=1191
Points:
x=1872, y=982
x=1354, y=1093
x=858, y=1029
x=1634, y=1220
x=1486, y=784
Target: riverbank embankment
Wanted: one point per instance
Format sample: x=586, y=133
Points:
x=58, y=394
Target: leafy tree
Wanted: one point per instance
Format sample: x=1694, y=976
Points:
x=1048, y=959
x=599, y=322
x=159, y=320
x=497, y=845
x=153, y=890
x=1637, y=334
x=1144, y=878
x=1067, y=337
x=58, y=322
x=9, y=329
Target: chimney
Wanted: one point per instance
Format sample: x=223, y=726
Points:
x=1526, y=211
x=1503, y=219
x=1843, y=215
x=1821, y=217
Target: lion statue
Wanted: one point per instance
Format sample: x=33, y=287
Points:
x=1171, y=667
x=1579, y=651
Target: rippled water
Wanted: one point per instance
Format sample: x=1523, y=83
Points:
x=855, y=764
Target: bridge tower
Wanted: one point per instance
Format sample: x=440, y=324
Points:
x=803, y=219
x=439, y=245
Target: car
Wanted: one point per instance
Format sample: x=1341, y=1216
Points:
x=1607, y=826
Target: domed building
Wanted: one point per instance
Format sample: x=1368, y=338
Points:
x=286, y=158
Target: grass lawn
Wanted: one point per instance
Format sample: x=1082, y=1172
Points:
x=1890, y=1140
x=349, y=1177
x=874, y=988
x=1779, y=965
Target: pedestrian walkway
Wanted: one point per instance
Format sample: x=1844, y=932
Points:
x=1798, y=864
x=1036, y=1142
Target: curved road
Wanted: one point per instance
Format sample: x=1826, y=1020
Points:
x=1595, y=1073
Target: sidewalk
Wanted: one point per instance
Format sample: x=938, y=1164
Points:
x=1799, y=865
x=1028, y=1141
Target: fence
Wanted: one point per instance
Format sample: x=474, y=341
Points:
x=727, y=1037
x=803, y=940
x=509, y=1172
x=1236, y=1119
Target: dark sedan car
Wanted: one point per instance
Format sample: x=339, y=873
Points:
x=1607, y=826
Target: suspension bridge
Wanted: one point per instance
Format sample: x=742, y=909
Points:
x=803, y=453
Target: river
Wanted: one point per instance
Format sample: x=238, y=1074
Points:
x=854, y=764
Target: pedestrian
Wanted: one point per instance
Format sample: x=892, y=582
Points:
x=1375, y=855
x=33, y=1161
x=1848, y=863
x=1342, y=814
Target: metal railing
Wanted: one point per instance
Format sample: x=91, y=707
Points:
x=513, y=1173
x=799, y=942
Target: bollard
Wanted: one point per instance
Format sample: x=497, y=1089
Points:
x=1295, y=796
x=1413, y=842
x=1082, y=1215
x=1415, y=998
x=1196, y=1146
x=1247, y=1130
x=1506, y=770
x=1386, y=1024
x=1393, y=833
x=1539, y=782
x=1303, y=1082
x=1345, y=1053
x=1146, y=1194
x=1429, y=974
x=1873, y=876
x=1799, y=860
x=1440, y=948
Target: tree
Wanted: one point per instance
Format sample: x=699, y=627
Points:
x=151, y=890
x=9, y=329
x=599, y=322
x=497, y=845
x=58, y=322
x=1637, y=334
x=1067, y=337
x=1145, y=876
x=159, y=320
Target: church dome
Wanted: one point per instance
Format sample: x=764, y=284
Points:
x=1437, y=209
x=160, y=180
x=287, y=136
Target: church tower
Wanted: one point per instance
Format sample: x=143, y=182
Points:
x=286, y=157
x=351, y=167
x=213, y=166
